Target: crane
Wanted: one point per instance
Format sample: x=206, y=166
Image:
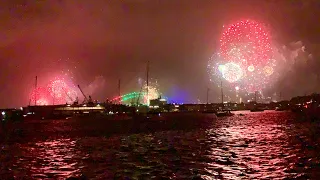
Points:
x=68, y=95
x=85, y=97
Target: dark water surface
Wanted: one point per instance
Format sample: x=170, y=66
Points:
x=262, y=145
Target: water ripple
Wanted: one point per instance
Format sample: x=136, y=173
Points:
x=266, y=145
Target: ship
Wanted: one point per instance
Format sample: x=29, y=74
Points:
x=256, y=107
x=223, y=112
x=116, y=117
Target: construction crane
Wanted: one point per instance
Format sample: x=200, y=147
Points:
x=68, y=95
x=85, y=97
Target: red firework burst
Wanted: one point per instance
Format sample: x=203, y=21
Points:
x=62, y=91
x=41, y=95
x=58, y=90
x=247, y=42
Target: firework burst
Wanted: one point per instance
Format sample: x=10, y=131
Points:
x=245, y=57
x=150, y=92
x=62, y=91
x=146, y=94
x=41, y=95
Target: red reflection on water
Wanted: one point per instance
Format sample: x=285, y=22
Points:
x=54, y=158
x=252, y=148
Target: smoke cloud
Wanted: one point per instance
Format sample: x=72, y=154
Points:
x=298, y=71
x=95, y=87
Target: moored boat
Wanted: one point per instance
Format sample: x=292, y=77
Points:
x=224, y=113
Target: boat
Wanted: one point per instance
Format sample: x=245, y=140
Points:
x=147, y=120
x=256, y=109
x=209, y=112
x=224, y=113
x=280, y=109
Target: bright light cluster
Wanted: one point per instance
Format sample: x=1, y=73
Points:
x=244, y=57
x=147, y=93
x=152, y=93
x=62, y=91
x=132, y=97
x=231, y=72
x=58, y=91
x=129, y=96
x=247, y=42
x=41, y=95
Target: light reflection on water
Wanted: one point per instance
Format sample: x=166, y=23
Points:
x=51, y=158
x=251, y=151
x=257, y=145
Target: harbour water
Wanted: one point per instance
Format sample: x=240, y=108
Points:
x=259, y=145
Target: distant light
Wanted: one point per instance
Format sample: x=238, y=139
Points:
x=84, y=105
x=162, y=99
x=3, y=113
x=98, y=105
x=251, y=68
x=21, y=108
x=222, y=68
x=68, y=105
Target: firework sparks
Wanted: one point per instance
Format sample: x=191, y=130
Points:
x=62, y=91
x=244, y=57
x=231, y=72
x=150, y=92
x=58, y=89
x=247, y=41
x=41, y=95
x=147, y=93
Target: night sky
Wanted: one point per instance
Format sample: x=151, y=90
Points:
x=114, y=39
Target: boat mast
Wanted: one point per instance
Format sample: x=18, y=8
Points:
x=255, y=96
x=148, y=82
x=119, y=88
x=54, y=96
x=35, y=90
x=139, y=95
x=222, y=94
x=280, y=96
x=208, y=95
